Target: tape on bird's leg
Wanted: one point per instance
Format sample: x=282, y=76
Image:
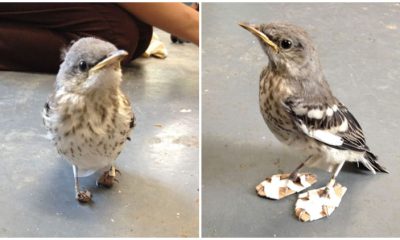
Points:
x=319, y=203
x=279, y=186
x=112, y=171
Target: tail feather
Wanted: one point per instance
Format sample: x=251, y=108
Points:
x=372, y=162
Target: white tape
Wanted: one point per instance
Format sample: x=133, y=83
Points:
x=317, y=207
x=272, y=188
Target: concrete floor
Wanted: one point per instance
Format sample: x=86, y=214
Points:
x=158, y=191
x=359, y=49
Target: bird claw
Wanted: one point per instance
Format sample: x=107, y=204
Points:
x=107, y=180
x=83, y=196
x=319, y=203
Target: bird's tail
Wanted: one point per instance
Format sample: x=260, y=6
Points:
x=371, y=163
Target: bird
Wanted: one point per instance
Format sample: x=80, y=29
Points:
x=87, y=116
x=299, y=107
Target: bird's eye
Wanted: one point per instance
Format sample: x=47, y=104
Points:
x=83, y=66
x=286, y=44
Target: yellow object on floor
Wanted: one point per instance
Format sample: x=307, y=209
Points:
x=156, y=48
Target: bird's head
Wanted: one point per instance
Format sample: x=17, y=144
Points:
x=288, y=47
x=90, y=64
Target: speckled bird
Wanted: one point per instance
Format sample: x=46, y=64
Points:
x=88, y=117
x=298, y=106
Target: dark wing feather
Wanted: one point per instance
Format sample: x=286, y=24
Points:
x=354, y=137
x=351, y=136
x=339, y=129
x=132, y=124
x=47, y=108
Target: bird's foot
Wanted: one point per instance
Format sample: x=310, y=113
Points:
x=280, y=185
x=294, y=176
x=108, y=178
x=83, y=196
x=319, y=203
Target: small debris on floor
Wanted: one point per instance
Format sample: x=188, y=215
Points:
x=185, y=110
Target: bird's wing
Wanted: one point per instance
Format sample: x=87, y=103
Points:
x=332, y=124
x=132, y=123
x=48, y=109
x=48, y=117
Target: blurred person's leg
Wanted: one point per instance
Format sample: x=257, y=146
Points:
x=33, y=34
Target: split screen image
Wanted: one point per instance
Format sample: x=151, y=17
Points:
x=131, y=120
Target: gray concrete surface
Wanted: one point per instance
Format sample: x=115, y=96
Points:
x=158, y=191
x=359, y=46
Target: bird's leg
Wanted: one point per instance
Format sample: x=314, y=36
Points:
x=81, y=196
x=294, y=175
x=278, y=186
x=335, y=174
x=332, y=181
x=108, y=177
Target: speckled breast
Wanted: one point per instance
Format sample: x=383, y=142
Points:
x=92, y=146
x=91, y=134
x=272, y=93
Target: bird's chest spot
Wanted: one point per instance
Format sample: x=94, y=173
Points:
x=271, y=97
x=95, y=132
x=272, y=94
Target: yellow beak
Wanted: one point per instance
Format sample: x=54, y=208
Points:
x=113, y=57
x=261, y=35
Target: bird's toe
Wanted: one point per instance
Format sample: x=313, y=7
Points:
x=106, y=180
x=84, y=196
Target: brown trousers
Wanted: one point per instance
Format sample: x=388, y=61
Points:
x=32, y=35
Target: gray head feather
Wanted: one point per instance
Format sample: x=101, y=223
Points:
x=79, y=58
x=298, y=60
x=292, y=58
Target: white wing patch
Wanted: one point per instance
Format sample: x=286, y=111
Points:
x=327, y=137
x=315, y=113
x=329, y=112
x=323, y=123
x=300, y=110
x=344, y=126
x=324, y=136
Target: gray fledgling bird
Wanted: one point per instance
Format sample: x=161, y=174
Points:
x=299, y=107
x=87, y=116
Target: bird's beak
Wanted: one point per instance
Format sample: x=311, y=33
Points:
x=260, y=35
x=113, y=57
